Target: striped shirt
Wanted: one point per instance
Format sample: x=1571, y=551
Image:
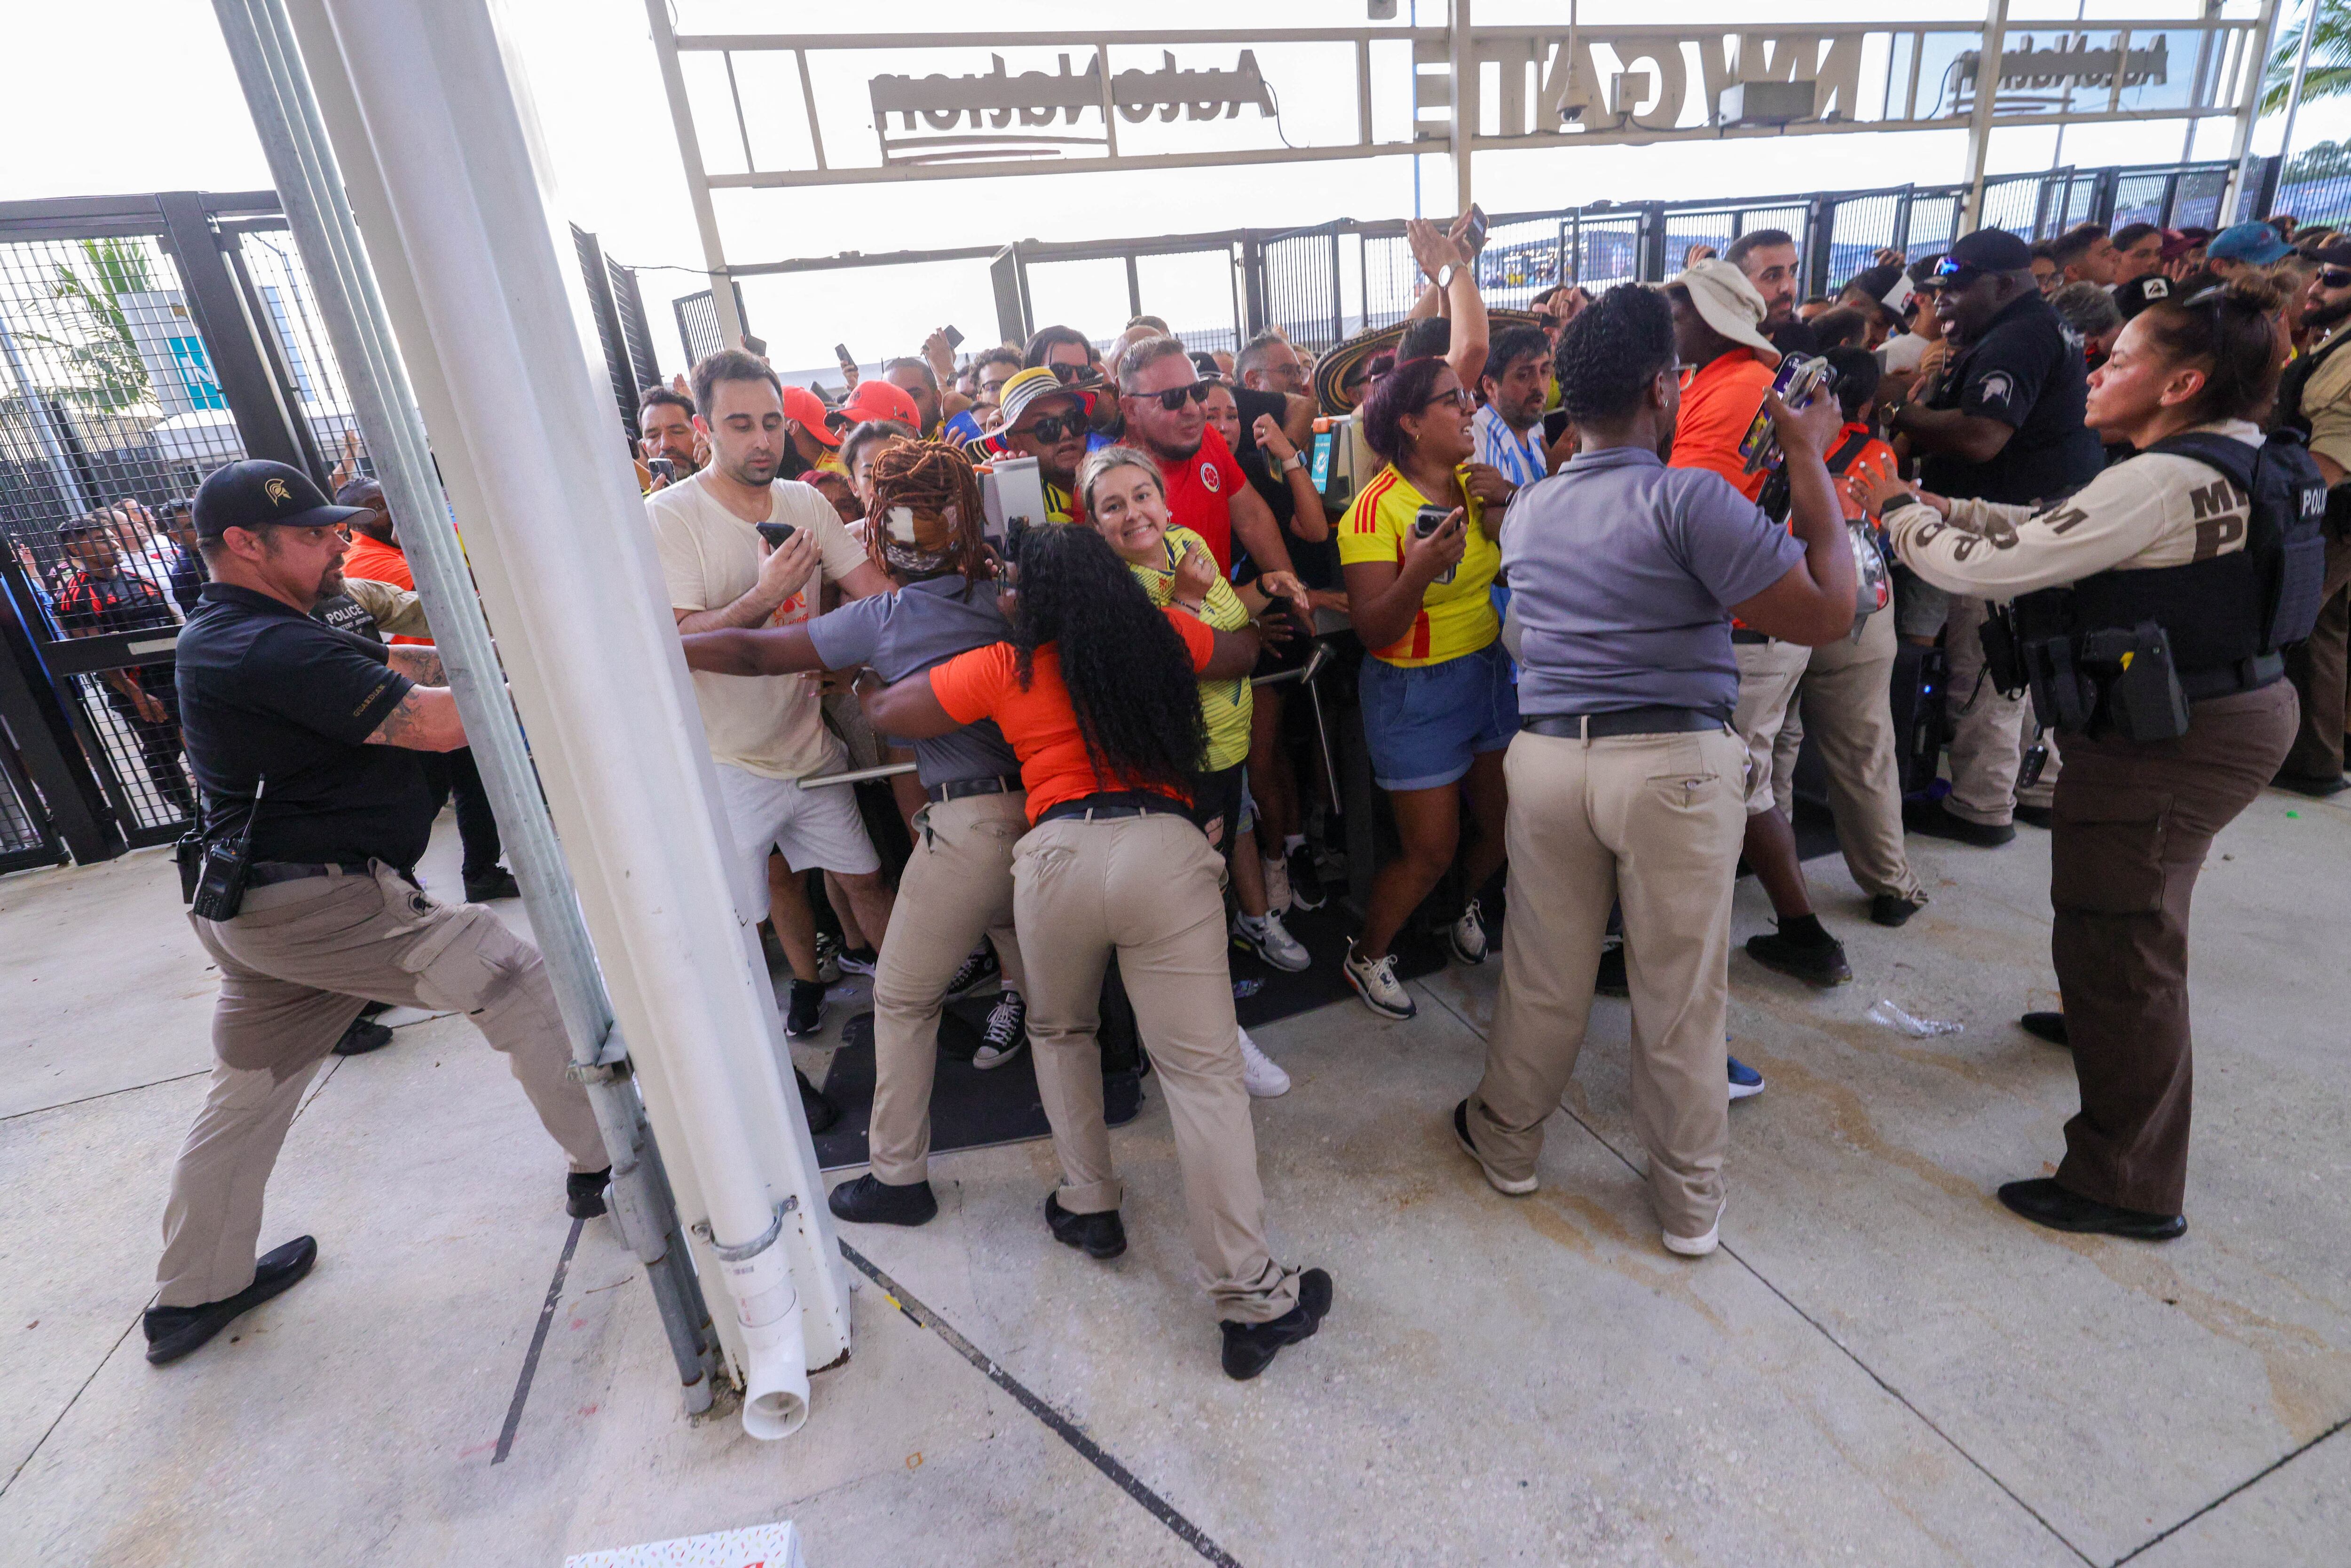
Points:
x=1518, y=457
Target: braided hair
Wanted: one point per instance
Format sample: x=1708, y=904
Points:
x=932, y=484
x=1129, y=674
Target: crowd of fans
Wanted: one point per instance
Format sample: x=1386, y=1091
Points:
x=1597, y=584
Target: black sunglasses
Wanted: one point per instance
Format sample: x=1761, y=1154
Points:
x=1053, y=426
x=1070, y=375
x=2336, y=277
x=1173, y=398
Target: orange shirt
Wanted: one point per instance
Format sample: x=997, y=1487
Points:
x=380, y=562
x=1719, y=403
x=1040, y=722
x=1874, y=452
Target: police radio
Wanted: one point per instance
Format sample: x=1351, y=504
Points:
x=213, y=873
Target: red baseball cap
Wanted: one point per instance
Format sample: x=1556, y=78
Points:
x=807, y=409
x=877, y=399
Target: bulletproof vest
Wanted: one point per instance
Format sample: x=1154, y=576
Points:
x=2292, y=415
x=344, y=613
x=2227, y=609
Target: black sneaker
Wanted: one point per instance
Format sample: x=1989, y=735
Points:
x=2041, y=817
x=1931, y=819
x=493, y=883
x=816, y=1105
x=362, y=1038
x=583, y=1193
x=982, y=967
x=858, y=960
x=1306, y=889
x=1100, y=1236
x=1007, y=1034
x=1892, y=909
x=1822, y=963
x=1613, y=981
x=2043, y=1202
x=1249, y=1348
x=870, y=1200
x=2050, y=1027
x=173, y=1331
x=2317, y=786
x=805, y=1015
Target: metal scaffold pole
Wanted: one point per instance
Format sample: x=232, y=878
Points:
x=310, y=185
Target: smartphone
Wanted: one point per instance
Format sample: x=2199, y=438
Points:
x=662, y=468
x=1798, y=379
x=1426, y=521
x=1474, y=235
x=848, y=365
x=774, y=533
x=955, y=338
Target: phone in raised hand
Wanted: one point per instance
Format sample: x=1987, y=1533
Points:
x=1425, y=524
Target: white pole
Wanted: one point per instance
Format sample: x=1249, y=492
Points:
x=697, y=178
x=2294, y=93
x=2249, y=113
x=1463, y=61
x=310, y=189
x=1995, y=37
x=441, y=152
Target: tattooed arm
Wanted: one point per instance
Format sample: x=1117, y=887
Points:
x=425, y=719
x=419, y=662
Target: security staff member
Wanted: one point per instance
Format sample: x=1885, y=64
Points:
x=2003, y=425
x=2315, y=398
x=1626, y=780
x=2224, y=557
x=329, y=731
x=99, y=598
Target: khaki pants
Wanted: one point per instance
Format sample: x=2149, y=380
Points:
x=1151, y=890
x=296, y=965
x=1655, y=823
x=1990, y=733
x=1768, y=673
x=957, y=887
x=1844, y=701
x=2316, y=669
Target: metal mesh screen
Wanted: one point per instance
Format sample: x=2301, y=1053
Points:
x=1520, y=260
x=2196, y=202
x=2138, y=199
x=1302, y=287
x=2323, y=200
x=1858, y=230
x=697, y=326
x=636, y=334
x=297, y=334
x=2013, y=205
x=24, y=838
x=1605, y=251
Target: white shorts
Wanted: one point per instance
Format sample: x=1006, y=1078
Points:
x=813, y=828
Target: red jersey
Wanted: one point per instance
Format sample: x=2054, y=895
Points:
x=1200, y=491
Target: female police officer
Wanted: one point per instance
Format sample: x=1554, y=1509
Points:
x=2149, y=609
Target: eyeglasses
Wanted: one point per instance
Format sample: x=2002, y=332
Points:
x=2336, y=277
x=1353, y=378
x=1450, y=399
x=1070, y=375
x=1173, y=398
x=1053, y=426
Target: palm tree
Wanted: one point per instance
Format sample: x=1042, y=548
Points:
x=2329, y=75
x=108, y=354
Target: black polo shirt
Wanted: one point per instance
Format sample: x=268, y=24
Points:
x=265, y=692
x=2025, y=374
x=91, y=606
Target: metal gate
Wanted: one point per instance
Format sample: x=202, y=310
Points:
x=144, y=341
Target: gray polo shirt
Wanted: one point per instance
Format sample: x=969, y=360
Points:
x=1620, y=572
x=907, y=633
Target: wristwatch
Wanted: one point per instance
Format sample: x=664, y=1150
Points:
x=1292, y=461
x=1447, y=273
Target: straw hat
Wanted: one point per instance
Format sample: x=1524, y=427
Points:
x=1342, y=362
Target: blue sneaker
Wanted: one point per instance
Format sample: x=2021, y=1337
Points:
x=1744, y=1079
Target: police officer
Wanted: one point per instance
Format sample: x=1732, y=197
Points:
x=2169, y=583
x=307, y=744
x=2004, y=425
x=2315, y=398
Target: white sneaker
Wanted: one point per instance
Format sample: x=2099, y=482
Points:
x=1006, y=1032
x=1375, y=980
x=1265, y=935
x=1277, y=884
x=1696, y=1246
x=1259, y=1076
x=1466, y=935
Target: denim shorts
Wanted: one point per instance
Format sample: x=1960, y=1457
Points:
x=1425, y=724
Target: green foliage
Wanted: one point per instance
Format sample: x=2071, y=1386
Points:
x=2329, y=75
x=104, y=352
x=2326, y=161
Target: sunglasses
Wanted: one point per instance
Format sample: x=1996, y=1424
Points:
x=2336, y=277
x=1173, y=398
x=1070, y=375
x=1053, y=426
x=1953, y=274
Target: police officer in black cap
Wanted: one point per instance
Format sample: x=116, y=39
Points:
x=2315, y=398
x=307, y=743
x=2151, y=607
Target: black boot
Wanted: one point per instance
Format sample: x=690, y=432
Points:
x=1249, y=1348
x=583, y=1193
x=870, y=1200
x=1099, y=1236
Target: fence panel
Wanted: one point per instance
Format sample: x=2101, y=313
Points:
x=2198, y=203
x=299, y=337
x=1301, y=286
x=1860, y=227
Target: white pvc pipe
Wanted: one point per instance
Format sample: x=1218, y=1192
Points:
x=493, y=325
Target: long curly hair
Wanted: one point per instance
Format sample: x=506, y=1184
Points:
x=1130, y=677
x=935, y=484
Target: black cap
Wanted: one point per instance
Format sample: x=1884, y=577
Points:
x=252, y=494
x=1991, y=250
x=2141, y=292
x=88, y=523
x=2334, y=253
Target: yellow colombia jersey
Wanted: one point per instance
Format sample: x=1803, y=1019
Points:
x=1456, y=617
x=1223, y=704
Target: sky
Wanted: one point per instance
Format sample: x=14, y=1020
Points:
x=171, y=117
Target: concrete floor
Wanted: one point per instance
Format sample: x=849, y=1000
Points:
x=1881, y=1366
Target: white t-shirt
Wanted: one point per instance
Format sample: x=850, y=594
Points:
x=768, y=725
x=1902, y=352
